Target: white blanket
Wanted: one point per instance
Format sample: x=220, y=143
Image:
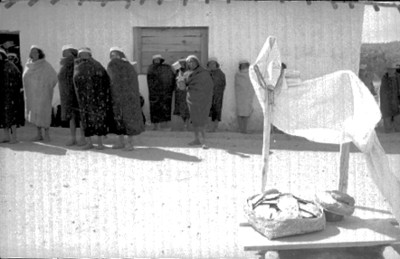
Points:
x=336, y=108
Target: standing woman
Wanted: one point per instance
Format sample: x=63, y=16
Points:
x=10, y=101
x=125, y=95
x=69, y=101
x=39, y=80
x=244, y=95
x=199, y=97
x=92, y=86
x=219, y=80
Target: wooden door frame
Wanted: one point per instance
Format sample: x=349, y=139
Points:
x=137, y=43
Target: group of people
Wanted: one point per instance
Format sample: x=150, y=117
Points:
x=100, y=100
x=107, y=100
x=163, y=80
x=199, y=94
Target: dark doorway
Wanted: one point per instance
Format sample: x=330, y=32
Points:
x=9, y=41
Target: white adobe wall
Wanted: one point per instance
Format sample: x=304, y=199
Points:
x=382, y=26
x=314, y=39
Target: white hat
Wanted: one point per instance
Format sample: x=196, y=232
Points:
x=157, y=56
x=213, y=59
x=35, y=47
x=68, y=46
x=192, y=57
x=85, y=49
x=3, y=51
x=116, y=49
x=11, y=55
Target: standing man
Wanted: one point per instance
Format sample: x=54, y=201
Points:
x=161, y=82
x=219, y=81
x=389, y=95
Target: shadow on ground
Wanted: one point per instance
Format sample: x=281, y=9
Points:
x=149, y=154
x=43, y=148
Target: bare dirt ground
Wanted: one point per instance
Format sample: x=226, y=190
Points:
x=164, y=199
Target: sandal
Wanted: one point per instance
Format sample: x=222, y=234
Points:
x=204, y=146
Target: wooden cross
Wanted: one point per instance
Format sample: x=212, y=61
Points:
x=269, y=99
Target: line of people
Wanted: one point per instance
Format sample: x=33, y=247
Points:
x=103, y=101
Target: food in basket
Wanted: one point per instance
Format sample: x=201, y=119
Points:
x=309, y=208
x=276, y=214
x=288, y=206
x=268, y=195
x=273, y=204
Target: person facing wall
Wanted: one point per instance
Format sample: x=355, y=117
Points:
x=219, y=81
x=161, y=83
x=68, y=98
x=127, y=110
x=244, y=94
x=92, y=86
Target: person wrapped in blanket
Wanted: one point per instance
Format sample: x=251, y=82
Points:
x=390, y=98
x=11, y=99
x=161, y=83
x=219, y=81
x=199, y=85
x=92, y=86
x=244, y=94
x=68, y=98
x=126, y=102
x=39, y=79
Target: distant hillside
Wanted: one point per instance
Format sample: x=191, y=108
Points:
x=378, y=56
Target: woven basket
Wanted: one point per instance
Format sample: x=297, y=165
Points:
x=273, y=229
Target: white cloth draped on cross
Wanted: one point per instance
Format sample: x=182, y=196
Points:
x=336, y=108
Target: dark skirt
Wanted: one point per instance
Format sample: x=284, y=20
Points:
x=181, y=108
x=216, y=107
